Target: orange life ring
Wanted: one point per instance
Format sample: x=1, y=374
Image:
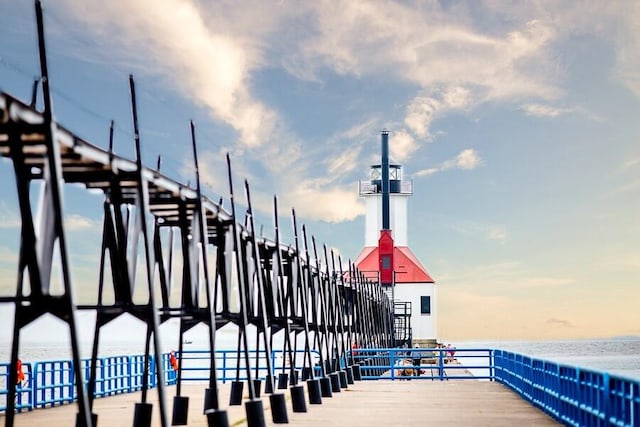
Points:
x=173, y=361
x=21, y=376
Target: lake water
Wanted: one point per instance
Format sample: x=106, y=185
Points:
x=619, y=356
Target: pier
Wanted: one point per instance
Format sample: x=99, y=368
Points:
x=366, y=403
x=342, y=362
x=480, y=386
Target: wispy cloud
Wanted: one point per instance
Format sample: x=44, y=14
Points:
x=486, y=231
x=614, y=22
x=545, y=282
x=218, y=50
x=425, y=108
x=629, y=187
x=631, y=163
x=559, y=322
x=625, y=261
x=540, y=110
x=402, y=145
x=332, y=204
x=551, y=111
x=512, y=275
x=75, y=222
x=454, y=66
x=72, y=222
x=171, y=38
x=8, y=256
x=467, y=159
x=8, y=216
x=451, y=51
x=8, y=222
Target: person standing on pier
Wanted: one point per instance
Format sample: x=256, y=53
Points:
x=416, y=355
x=451, y=351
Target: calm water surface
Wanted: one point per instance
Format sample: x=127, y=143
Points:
x=619, y=356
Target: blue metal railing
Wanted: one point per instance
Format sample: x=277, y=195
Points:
x=52, y=382
x=195, y=364
x=24, y=390
x=572, y=395
x=435, y=363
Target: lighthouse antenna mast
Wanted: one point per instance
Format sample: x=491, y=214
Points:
x=385, y=242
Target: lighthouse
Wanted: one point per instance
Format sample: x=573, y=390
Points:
x=386, y=256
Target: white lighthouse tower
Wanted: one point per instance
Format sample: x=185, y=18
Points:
x=410, y=280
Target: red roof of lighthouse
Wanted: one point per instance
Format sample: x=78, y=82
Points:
x=406, y=266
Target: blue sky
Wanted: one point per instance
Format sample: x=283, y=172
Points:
x=517, y=121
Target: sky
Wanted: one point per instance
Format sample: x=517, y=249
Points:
x=518, y=123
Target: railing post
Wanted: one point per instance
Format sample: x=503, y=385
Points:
x=393, y=364
x=30, y=386
x=73, y=385
x=101, y=377
x=35, y=383
x=605, y=397
x=492, y=372
x=224, y=367
x=153, y=381
x=128, y=369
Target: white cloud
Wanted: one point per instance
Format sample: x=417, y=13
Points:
x=332, y=204
x=427, y=172
x=401, y=145
x=9, y=222
x=455, y=66
x=545, y=282
x=345, y=161
x=8, y=216
x=174, y=38
x=486, y=231
x=467, y=159
x=560, y=322
x=615, y=22
x=420, y=114
x=425, y=108
x=508, y=275
x=427, y=45
x=629, y=187
x=457, y=97
x=540, y=110
x=75, y=222
x=631, y=163
x=448, y=54
x=625, y=261
x=499, y=234
x=8, y=256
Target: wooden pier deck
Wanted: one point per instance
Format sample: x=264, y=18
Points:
x=365, y=403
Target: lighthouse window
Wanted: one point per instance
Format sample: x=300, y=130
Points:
x=386, y=262
x=425, y=305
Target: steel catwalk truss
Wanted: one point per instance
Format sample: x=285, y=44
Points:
x=301, y=295
x=274, y=287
